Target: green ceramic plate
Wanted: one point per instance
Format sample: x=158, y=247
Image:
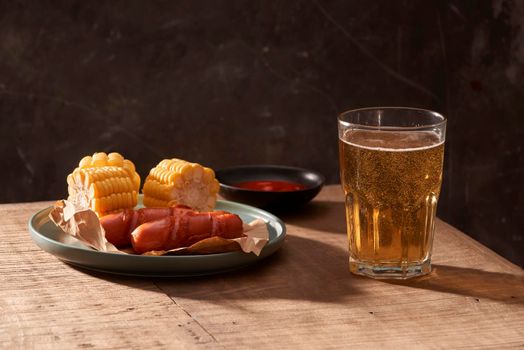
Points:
x=53, y=240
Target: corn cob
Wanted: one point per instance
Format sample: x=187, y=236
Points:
x=175, y=181
x=104, y=183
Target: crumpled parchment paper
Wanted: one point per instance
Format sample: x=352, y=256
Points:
x=83, y=224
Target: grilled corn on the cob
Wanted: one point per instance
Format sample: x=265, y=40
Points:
x=176, y=181
x=104, y=183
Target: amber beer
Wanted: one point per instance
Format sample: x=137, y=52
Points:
x=391, y=181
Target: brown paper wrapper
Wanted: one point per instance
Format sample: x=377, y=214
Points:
x=83, y=224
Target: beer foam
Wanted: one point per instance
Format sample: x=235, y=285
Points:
x=392, y=141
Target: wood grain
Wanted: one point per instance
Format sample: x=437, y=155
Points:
x=303, y=297
x=47, y=304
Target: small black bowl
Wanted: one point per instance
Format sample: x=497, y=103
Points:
x=271, y=200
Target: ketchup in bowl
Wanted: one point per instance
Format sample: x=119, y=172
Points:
x=270, y=186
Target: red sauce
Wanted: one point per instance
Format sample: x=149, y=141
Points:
x=271, y=185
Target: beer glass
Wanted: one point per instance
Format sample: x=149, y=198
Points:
x=391, y=170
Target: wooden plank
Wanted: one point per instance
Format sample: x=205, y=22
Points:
x=306, y=298
x=303, y=297
x=47, y=304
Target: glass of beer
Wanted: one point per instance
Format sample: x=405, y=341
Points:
x=391, y=170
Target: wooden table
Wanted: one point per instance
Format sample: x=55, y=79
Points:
x=301, y=298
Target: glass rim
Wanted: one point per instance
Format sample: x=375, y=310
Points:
x=389, y=127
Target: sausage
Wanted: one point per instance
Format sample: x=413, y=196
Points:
x=181, y=231
x=118, y=227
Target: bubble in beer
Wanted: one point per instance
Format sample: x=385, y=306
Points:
x=392, y=183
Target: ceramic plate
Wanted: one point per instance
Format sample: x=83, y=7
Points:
x=53, y=240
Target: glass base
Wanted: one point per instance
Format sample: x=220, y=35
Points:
x=384, y=271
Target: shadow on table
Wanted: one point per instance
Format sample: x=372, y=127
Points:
x=303, y=269
x=325, y=216
x=470, y=282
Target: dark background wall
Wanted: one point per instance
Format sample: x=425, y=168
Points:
x=238, y=82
